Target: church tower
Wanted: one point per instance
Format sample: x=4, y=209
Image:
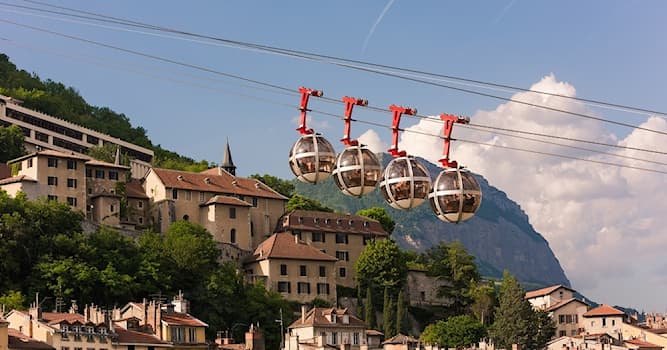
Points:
x=227, y=163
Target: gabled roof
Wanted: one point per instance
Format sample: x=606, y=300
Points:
x=134, y=189
x=226, y=200
x=307, y=220
x=18, y=340
x=215, y=181
x=51, y=153
x=181, y=319
x=317, y=317
x=126, y=336
x=57, y=317
x=604, y=310
x=545, y=291
x=641, y=343
x=15, y=179
x=373, y=332
x=95, y=162
x=286, y=246
x=563, y=303
x=401, y=339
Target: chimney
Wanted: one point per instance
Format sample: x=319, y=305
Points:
x=303, y=313
x=35, y=310
x=254, y=339
x=516, y=346
x=181, y=304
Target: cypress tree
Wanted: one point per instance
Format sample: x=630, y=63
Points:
x=513, y=316
x=401, y=313
x=360, y=303
x=370, y=309
x=388, y=320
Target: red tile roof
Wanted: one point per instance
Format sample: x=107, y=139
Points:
x=285, y=246
x=95, y=162
x=305, y=220
x=373, y=332
x=126, y=336
x=641, y=343
x=226, y=200
x=222, y=183
x=18, y=340
x=317, y=317
x=401, y=339
x=181, y=319
x=545, y=291
x=563, y=303
x=134, y=189
x=15, y=179
x=57, y=317
x=604, y=310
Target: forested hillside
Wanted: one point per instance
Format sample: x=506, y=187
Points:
x=65, y=102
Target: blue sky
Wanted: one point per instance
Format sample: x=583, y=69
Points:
x=608, y=50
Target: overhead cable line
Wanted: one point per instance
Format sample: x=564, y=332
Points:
x=118, y=20
x=280, y=88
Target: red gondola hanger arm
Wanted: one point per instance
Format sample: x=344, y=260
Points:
x=397, y=112
x=447, y=133
x=350, y=102
x=305, y=95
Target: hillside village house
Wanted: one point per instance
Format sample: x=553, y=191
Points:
x=83, y=183
x=298, y=271
x=566, y=311
x=326, y=328
x=11, y=339
x=137, y=326
x=341, y=235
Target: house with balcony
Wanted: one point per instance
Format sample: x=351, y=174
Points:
x=326, y=328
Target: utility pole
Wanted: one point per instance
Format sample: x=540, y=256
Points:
x=282, y=331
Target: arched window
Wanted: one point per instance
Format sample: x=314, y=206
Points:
x=186, y=217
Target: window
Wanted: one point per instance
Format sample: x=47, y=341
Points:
x=568, y=319
x=232, y=213
x=318, y=236
x=52, y=162
x=254, y=202
x=89, y=172
x=317, y=221
x=323, y=271
x=561, y=318
x=323, y=288
x=283, y=270
x=71, y=164
x=341, y=238
x=232, y=235
x=334, y=338
x=284, y=287
x=188, y=195
x=111, y=208
x=177, y=335
x=113, y=175
x=355, y=338
x=103, y=330
x=99, y=174
x=327, y=221
x=71, y=183
x=613, y=322
x=174, y=193
x=140, y=204
x=302, y=270
x=562, y=333
x=91, y=334
x=604, y=322
x=71, y=201
x=130, y=347
x=30, y=163
x=342, y=272
x=192, y=335
x=422, y=295
x=201, y=196
x=52, y=181
x=342, y=255
x=141, y=220
x=52, y=198
x=303, y=288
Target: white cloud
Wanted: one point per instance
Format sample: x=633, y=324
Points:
x=371, y=139
x=607, y=225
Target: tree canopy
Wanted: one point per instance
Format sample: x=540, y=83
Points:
x=300, y=202
x=456, y=332
x=380, y=265
x=284, y=187
x=381, y=215
x=11, y=143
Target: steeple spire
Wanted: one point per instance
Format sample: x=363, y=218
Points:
x=227, y=163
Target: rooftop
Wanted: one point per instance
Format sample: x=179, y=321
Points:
x=317, y=317
x=545, y=291
x=604, y=310
x=306, y=220
x=286, y=246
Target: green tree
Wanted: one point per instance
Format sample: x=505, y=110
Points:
x=483, y=302
x=513, y=316
x=401, y=313
x=284, y=187
x=11, y=143
x=12, y=300
x=381, y=215
x=451, y=262
x=381, y=265
x=543, y=328
x=388, y=316
x=370, y=310
x=457, y=332
x=300, y=202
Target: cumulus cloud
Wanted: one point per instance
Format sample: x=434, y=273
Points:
x=316, y=124
x=371, y=139
x=605, y=224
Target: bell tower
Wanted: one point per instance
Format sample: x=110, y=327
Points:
x=227, y=163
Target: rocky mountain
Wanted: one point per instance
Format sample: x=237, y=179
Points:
x=500, y=236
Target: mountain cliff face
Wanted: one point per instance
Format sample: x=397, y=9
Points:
x=499, y=236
